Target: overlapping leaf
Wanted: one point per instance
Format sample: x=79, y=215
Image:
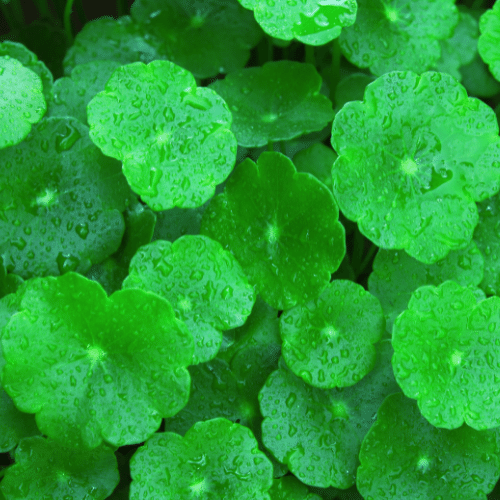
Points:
x=172, y=137
x=271, y=217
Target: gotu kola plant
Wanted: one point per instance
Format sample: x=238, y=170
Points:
x=249, y=249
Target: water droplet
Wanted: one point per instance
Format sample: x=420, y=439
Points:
x=197, y=102
x=82, y=230
x=321, y=20
x=19, y=243
x=66, y=139
x=66, y=262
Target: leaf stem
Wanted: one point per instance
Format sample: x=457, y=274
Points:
x=283, y=147
x=121, y=7
x=43, y=8
x=270, y=146
x=357, y=252
x=477, y=4
x=8, y=16
x=265, y=50
x=310, y=57
x=67, y=20
x=13, y=14
x=335, y=74
x=81, y=12
x=366, y=260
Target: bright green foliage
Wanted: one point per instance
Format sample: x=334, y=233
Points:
x=172, y=137
x=487, y=237
x=328, y=342
x=278, y=101
x=396, y=275
x=351, y=88
x=314, y=22
x=477, y=79
x=21, y=101
x=414, y=157
x=207, y=400
x=403, y=456
x=317, y=160
x=447, y=357
x=70, y=95
x=290, y=488
x=271, y=217
x=217, y=392
x=139, y=226
x=318, y=432
x=460, y=49
x=204, y=283
x=14, y=424
x=193, y=280
x=43, y=467
x=29, y=60
x=95, y=368
x=107, y=39
x=8, y=282
x=253, y=352
x=61, y=212
x=206, y=37
x=489, y=41
x=215, y=459
x=393, y=35
x=176, y=222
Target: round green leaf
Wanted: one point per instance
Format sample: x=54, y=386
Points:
x=290, y=488
x=489, y=39
x=44, y=468
x=70, y=95
x=318, y=432
x=396, y=275
x=314, y=22
x=461, y=48
x=60, y=201
x=393, y=35
x=205, y=284
x=487, y=237
x=403, y=456
x=22, y=102
x=351, y=88
x=328, y=342
x=108, y=39
x=29, y=60
x=278, y=101
x=14, y=424
x=207, y=37
x=270, y=217
x=8, y=282
x=478, y=80
x=139, y=226
x=414, y=157
x=318, y=160
x=215, y=392
x=93, y=367
x=173, y=138
x=447, y=356
x=215, y=459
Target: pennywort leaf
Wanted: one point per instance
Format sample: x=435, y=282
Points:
x=414, y=157
x=205, y=284
x=81, y=360
x=271, y=217
x=22, y=101
x=173, y=138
